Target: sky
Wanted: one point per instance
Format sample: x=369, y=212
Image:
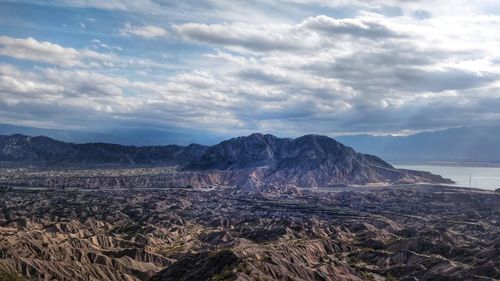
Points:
x=229, y=68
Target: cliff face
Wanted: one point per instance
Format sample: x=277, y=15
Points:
x=251, y=161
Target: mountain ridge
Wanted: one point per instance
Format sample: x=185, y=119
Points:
x=477, y=144
x=45, y=150
x=473, y=144
x=253, y=161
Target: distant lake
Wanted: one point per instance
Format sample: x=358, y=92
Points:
x=482, y=177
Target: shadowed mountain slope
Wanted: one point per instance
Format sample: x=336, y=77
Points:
x=251, y=161
x=25, y=149
x=311, y=160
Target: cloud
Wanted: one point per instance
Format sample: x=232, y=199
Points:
x=146, y=31
x=110, y=4
x=311, y=33
x=418, y=80
x=47, y=52
x=247, y=36
x=396, y=70
x=113, y=99
x=368, y=28
x=421, y=14
x=362, y=68
x=96, y=44
x=16, y=83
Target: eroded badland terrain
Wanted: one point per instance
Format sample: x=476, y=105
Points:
x=420, y=232
x=250, y=208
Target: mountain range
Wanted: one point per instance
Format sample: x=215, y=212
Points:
x=465, y=144
x=44, y=150
x=254, y=160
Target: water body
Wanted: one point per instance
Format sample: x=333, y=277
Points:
x=481, y=177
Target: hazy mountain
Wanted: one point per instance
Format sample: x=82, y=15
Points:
x=467, y=144
x=254, y=160
x=125, y=136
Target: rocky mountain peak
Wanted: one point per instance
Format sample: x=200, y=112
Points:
x=254, y=160
x=250, y=151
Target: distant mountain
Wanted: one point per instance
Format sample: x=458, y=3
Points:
x=467, y=144
x=126, y=135
x=254, y=160
x=44, y=150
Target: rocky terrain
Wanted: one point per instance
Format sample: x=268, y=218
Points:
x=420, y=232
x=249, y=162
x=249, y=208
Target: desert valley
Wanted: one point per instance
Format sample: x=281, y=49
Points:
x=250, y=208
x=263, y=140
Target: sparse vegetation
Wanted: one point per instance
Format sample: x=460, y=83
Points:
x=243, y=268
x=368, y=276
x=9, y=275
x=226, y=275
x=390, y=277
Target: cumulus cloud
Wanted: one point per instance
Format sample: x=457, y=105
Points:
x=369, y=28
x=22, y=87
x=112, y=98
x=365, y=70
x=313, y=32
x=145, y=31
x=247, y=36
x=394, y=70
x=47, y=52
x=365, y=74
